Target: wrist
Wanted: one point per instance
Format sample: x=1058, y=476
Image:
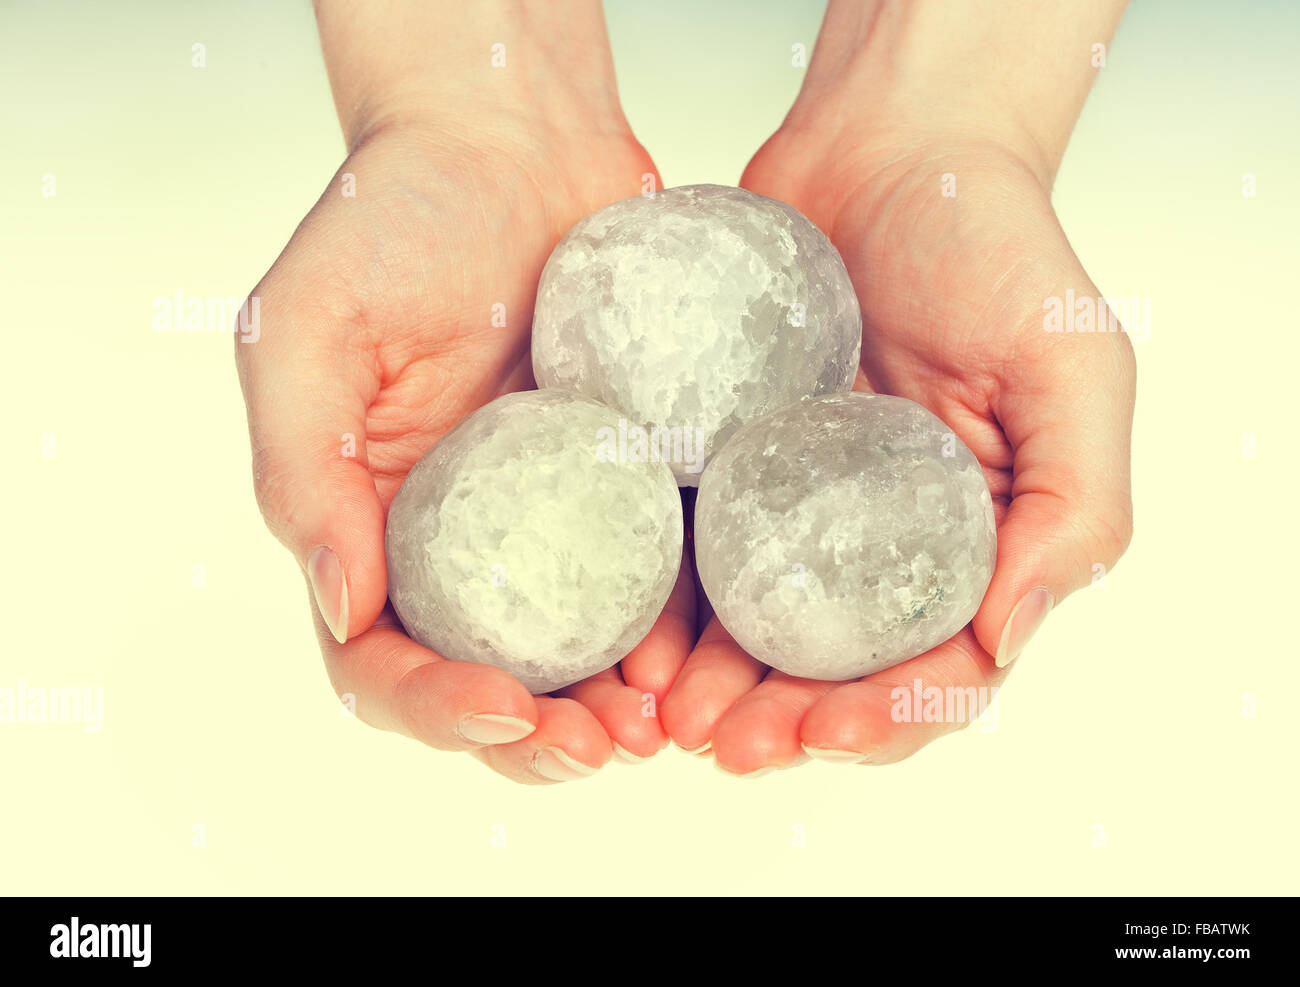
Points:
x=496, y=66
x=1011, y=75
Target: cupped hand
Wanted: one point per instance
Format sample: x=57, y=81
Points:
x=954, y=291
x=402, y=303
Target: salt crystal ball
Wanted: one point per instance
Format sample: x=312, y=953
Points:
x=520, y=541
x=695, y=310
x=844, y=534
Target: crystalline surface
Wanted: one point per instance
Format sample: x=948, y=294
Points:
x=701, y=307
x=835, y=537
x=515, y=541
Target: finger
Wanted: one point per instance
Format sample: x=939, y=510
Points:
x=307, y=390
x=717, y=673
x=760, y=732
x=1067, y=410
x=892, y=714
x=393, y=683
x=652, y=666
x=628, y=715
x=568, y=744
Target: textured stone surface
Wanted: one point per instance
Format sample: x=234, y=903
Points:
x=517, y=542
x=699, y=308
x=844, y=534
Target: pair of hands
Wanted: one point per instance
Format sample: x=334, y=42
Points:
x=378, y=335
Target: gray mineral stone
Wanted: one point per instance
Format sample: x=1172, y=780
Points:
x=520, y=541
x=844, y=534
x=693, y=311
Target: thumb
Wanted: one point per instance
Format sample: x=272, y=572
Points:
x=1067, y=410
x=307, y=405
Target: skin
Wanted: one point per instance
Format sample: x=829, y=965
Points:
x=377, y=323
x=952, y=292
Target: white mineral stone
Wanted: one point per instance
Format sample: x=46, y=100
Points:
x=519, y=542
x=696, y=310
x=844, y=534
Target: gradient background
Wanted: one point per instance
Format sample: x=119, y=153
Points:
x=1131, y=712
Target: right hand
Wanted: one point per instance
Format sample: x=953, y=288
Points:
x=377, y=331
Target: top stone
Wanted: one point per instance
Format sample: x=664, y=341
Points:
x=693, y=311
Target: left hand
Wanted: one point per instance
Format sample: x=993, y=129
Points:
x=952, y=292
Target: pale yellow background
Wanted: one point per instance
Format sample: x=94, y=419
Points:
x=1128, y=711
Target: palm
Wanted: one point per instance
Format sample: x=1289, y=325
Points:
x=459, y=249
x=934, y=332
x=951, y=289
x=923, y=264
x=405, y=307
x=444, y=256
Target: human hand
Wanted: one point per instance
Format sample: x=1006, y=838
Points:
x=953, y=292
x=396, y=311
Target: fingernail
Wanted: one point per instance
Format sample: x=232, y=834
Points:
x=704, y=748
x=330, y=589
x=748, y=774
x=493, y=728
x=627, y=757
x=553, y=764
x=831, y=754
x=1026, y=618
